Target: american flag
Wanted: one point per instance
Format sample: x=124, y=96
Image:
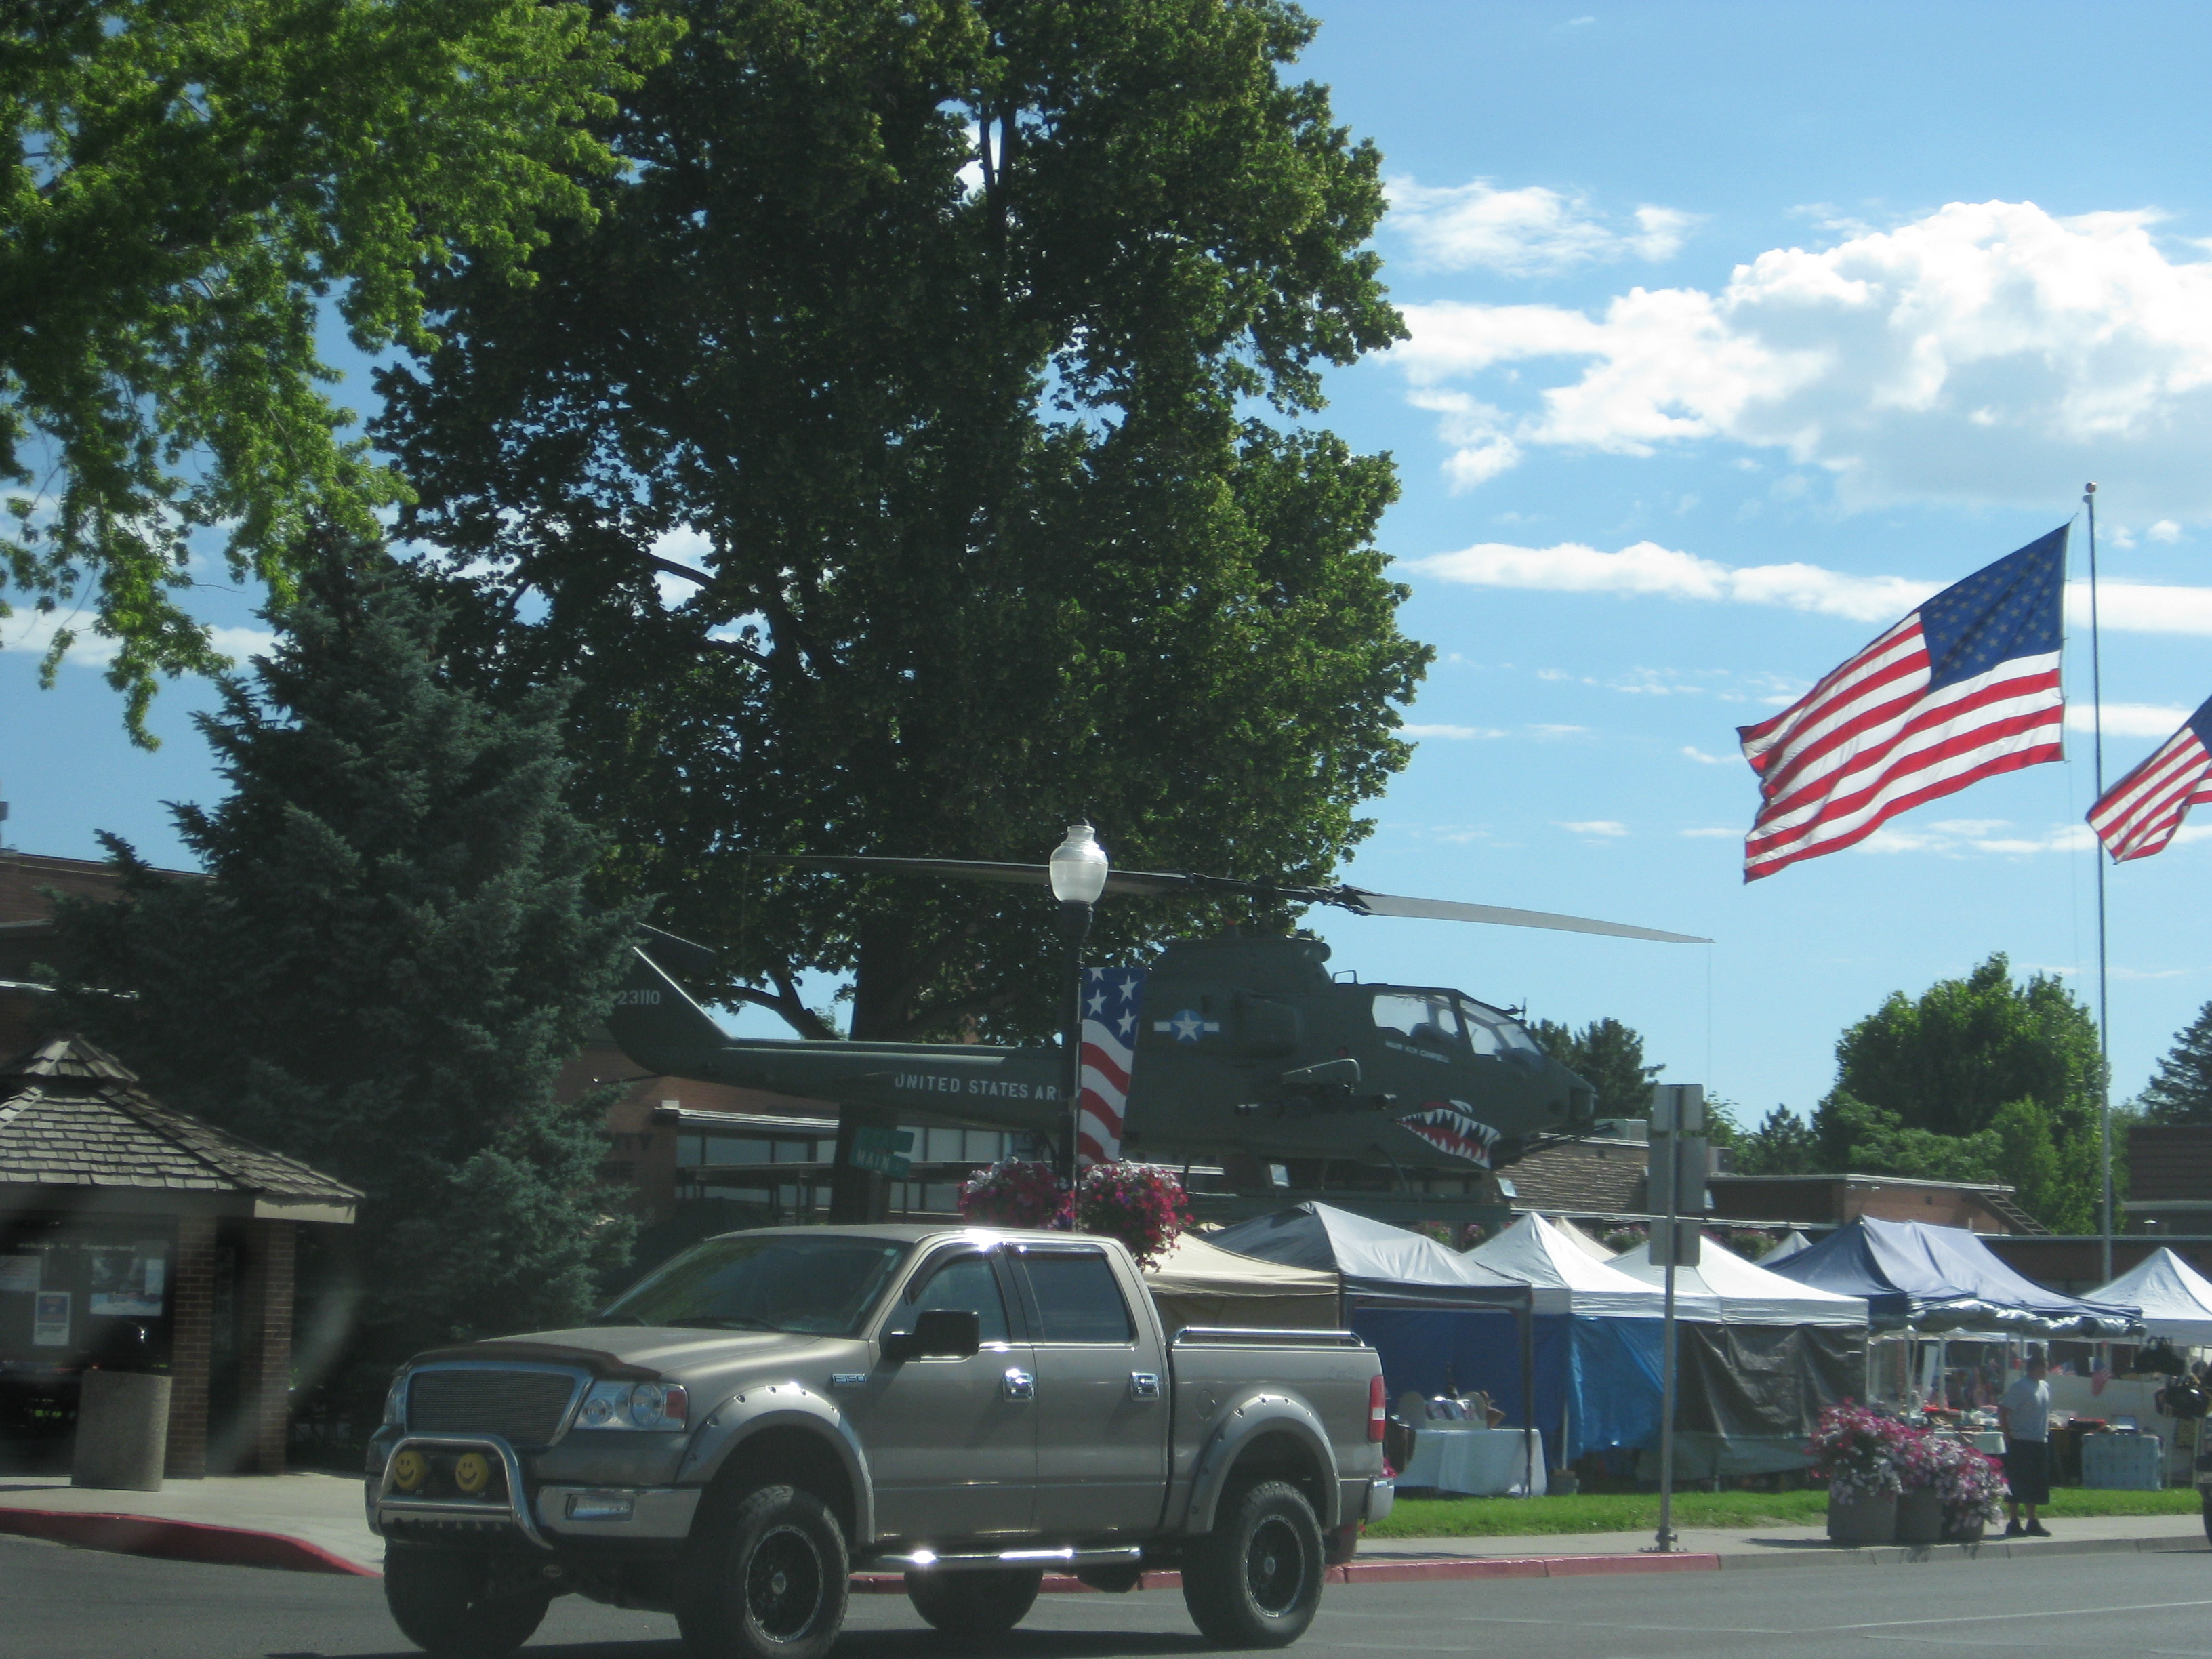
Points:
x=1111, y=1000
x=2138, y=814
x=1963, y=689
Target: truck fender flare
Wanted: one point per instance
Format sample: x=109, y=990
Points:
x=1252, y=1419
x=759, y=1407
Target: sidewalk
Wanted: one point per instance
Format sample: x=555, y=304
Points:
x=313, y=1523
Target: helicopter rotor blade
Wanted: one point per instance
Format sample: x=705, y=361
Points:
x=1358, y=900
x=1385, y=904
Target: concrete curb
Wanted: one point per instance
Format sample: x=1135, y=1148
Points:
x=178, y=1540
x=2001, y=1549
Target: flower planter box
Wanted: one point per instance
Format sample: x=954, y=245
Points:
x=1864, y=1521
x=1920, y=1516
x=1965, y=1532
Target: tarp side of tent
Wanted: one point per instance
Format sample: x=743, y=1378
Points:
x=1196, y=1282
x=2175, y=1298
x=1749, y=1395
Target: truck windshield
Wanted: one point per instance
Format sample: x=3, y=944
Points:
x=811, y=1286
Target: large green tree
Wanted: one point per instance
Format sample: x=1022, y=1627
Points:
x=388, y=960
x=1982, y=1078
x=966, y=347
x=2182, y=1090
x=1947, y=1059
x=1609, y=1057
x=187, y=183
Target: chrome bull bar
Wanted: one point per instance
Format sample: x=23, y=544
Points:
x=455, y=1516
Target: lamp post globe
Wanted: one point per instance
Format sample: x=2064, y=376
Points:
x=1079, y=869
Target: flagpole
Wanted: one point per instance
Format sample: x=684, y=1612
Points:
x=2103, y=1020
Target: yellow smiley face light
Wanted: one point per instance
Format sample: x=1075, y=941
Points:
x=472, y=1472
x=409, y=1469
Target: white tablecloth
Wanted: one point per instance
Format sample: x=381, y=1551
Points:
x=1460, y=1457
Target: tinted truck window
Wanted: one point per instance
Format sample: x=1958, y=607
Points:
x=1077, y=1299
x=964, y=1284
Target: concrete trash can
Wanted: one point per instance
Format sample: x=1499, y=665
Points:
x=122, y=1431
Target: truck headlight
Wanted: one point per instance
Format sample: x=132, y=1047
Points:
x=395, y=1401
x=635, y=1406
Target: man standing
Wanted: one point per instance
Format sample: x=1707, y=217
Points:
x=2024, y=1414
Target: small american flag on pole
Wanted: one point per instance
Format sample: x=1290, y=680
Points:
x=2138, y=814
x=1963, y=689
x=1111, y=999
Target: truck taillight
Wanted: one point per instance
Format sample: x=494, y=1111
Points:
x=1378, y=1409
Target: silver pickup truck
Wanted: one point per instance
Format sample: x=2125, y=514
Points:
x=773, y=1411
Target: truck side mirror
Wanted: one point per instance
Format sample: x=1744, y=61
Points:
x=937, y=1334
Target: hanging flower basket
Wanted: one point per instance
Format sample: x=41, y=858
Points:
x=1140, y=1204
x=1015, y=1193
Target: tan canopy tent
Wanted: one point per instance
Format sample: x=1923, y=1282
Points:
x=1195, y=1283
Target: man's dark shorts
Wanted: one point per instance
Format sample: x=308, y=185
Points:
x=2027, y=1469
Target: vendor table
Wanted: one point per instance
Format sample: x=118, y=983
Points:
x=1982, y=1440
x=1479, y=1463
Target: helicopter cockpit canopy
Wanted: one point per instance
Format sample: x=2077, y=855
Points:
x=1448, y=1020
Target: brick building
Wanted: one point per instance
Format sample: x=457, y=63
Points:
x=135, y=1237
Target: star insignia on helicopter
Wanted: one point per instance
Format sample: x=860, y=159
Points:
x=1188, y=1026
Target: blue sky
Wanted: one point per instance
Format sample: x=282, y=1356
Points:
x=1736, y=330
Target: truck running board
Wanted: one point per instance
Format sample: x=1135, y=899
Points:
x=1065, y=1560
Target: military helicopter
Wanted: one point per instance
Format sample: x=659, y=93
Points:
x=1242, y=1049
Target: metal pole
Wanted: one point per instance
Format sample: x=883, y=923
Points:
x=1075, y=923
x=1666, y=1356
x=2104, y=1026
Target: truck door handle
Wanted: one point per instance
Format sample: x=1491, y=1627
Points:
x=1143, y=1385
x=1018, y=1384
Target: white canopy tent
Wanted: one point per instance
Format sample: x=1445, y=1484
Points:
x=1792, y=1241
x=1589, y=1246
x=1747, y=1293
x=2175, y=1298
x=1566, y=1279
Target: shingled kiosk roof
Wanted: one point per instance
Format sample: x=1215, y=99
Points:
x=73, y=1115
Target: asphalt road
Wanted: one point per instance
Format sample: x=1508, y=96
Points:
x=60, y=1603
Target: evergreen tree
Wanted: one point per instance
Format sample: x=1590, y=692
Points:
x=387, y=965
x=2182, y=1090
x=1783, y=1144
x=1609, y=1057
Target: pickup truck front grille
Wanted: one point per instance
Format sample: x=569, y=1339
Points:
x=524, y=1408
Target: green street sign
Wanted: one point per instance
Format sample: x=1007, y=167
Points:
x=883, y=1150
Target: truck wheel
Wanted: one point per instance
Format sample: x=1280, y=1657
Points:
x=1254, y=1581
x=989, y=1601
x=765, y=1579
x=450, y=1603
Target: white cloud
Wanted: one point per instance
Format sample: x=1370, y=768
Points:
x=1605, y=828
x=1712, y=833
x=1527, y=232
x=1960, y=838
x=30, y=631
x=1455, y=734
x=1704, y=759
x=1646, y=567
x=2129, y=719
x=1975, y=354
x=2164, y=531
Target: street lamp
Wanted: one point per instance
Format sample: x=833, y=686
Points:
x=1079, y=876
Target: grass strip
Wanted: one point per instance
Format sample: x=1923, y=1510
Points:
x=1514, y=1517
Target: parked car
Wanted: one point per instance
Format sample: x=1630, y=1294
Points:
x=775, y=1410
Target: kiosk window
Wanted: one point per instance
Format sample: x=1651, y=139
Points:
x=965, y=1284
x=1077, y=1299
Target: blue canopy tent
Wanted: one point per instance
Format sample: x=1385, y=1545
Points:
x=1932, y=1280
x=1437, y=1319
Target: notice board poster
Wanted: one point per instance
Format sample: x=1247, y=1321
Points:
x=127, y=1282
x=50, y=1319
x=19, y=1273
